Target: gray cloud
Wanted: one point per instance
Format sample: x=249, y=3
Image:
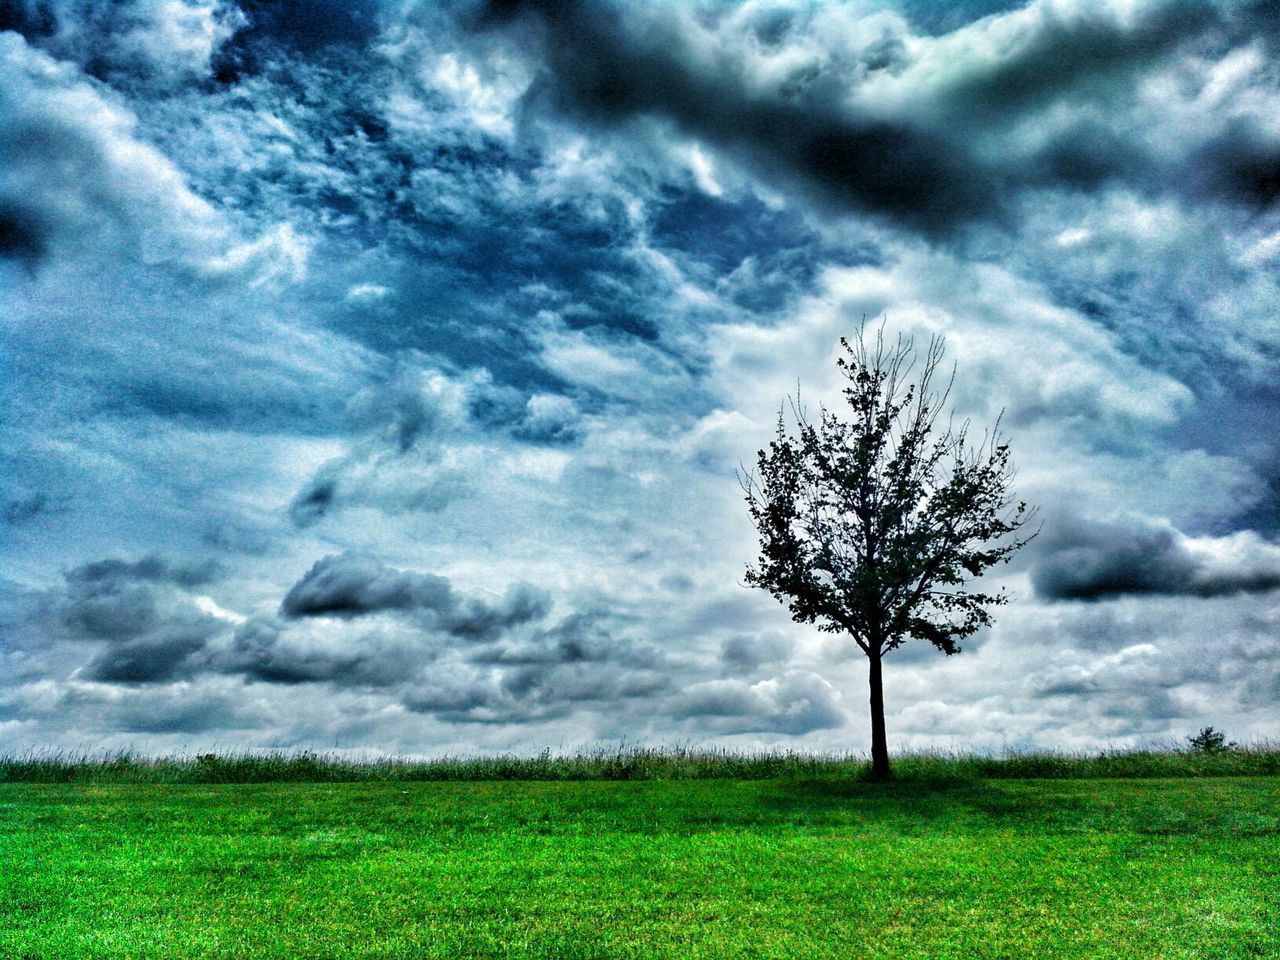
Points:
x=129, y=42
x=109, y=609
x=270, y=651
x=67, y=177
x=1091, y=560
x=161, y=656
x=605, y=68
x=24, y=234
x=143, y=613
x=943, y=161
x=579, y=663
x=348, y=586
x=117, y=599
x=748, y=651
x=182, y=708
x=152, y=569
x=531, y=692
x=794, y=703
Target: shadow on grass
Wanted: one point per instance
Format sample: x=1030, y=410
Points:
x=910, y=802
x=1190, y=807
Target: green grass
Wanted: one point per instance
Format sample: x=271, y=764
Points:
x=626, y=762
x=792, y=867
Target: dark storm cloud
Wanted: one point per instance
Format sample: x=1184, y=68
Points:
x=109, y=609
x=152, y=569
x=1240, y=163
x=142, y=612
x=160, y=657
x=349, y=586
x=31, y=18
x=1087, y=54
x=479, y=620
x=346, y=585
x=1090, y=560
x=269, y=651
x=601, y=69
x=175, y=708
x=24, y=234
x=931, y=165
x=125, y=622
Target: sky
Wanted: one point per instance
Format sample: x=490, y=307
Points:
x=373, y=375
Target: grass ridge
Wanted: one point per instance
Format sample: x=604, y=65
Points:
x=630, y=762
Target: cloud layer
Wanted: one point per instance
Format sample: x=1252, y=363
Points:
x=377, y=376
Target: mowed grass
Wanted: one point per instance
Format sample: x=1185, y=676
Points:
x=833, y=867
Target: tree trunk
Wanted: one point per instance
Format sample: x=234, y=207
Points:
x=879, y=744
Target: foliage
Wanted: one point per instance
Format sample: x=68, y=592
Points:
x=874, y=524
x=632, y=762
x=989, y=869
x=1209, y=740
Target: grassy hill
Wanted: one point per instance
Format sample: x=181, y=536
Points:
x=936, y=865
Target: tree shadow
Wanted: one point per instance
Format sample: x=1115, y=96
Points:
x=914, y=806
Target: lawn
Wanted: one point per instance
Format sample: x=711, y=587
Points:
x=1154, y=868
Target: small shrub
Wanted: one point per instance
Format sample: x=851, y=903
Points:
x=1209, y=740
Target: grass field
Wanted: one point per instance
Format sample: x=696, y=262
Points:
x=787, y=867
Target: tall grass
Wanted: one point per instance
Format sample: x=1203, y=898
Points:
x=630, y=762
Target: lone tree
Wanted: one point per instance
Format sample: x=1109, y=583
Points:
x=872, y=525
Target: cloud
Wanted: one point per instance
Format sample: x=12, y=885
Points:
x=795, y=703
x=110, y=610
x=350, y=586
x=159, y=657
x=531, y=692
x=153, y=42
x=152, y=568
x=267, y=650
x=1097, y=560
x=581, y=663
x=117, y=599
x=71, y=166
x=933, y=134
x=140, y=615
x=269, y=30
x=24, y=509
x=77, y=177
x=346, y=585
x=396, y=459
x=607, y=67
x=748, y=651
x=582, y=637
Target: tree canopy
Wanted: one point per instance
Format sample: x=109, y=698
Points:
x=874, y=524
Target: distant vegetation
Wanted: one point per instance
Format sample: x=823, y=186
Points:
x=638, y=763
